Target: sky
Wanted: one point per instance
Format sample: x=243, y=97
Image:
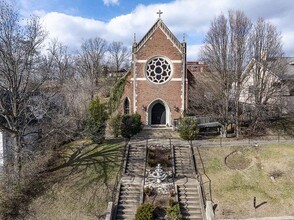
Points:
x=73, y=21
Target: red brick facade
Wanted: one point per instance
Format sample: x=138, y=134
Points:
x=144, y=95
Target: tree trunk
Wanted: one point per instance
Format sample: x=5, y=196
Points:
x=237, y=119
x=16, y=157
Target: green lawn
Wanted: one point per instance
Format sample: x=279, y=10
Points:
x=246, y=174
x=84, y=179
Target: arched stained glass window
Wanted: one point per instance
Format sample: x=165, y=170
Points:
x=126, y=106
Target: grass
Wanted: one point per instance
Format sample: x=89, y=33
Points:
x=234, y=189
x=84, y=178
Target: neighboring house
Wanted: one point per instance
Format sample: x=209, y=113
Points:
x=40, y=103
x=273, y=89
x=288, y=87
x=117, y=74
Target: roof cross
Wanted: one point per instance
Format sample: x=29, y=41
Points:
x=159, y=13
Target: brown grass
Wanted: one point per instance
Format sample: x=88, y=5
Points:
x=233, y=190
x=83, y=188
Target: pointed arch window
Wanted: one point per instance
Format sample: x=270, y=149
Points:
x=126, y=106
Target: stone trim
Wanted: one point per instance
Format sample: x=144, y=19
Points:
x=144, y=79
x=172, y=61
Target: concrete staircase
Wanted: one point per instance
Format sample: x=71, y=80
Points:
x=135, y=164
x=131, y=187
x=183, y=163
x=189, y=200
x=129, y=199
x=187, y=184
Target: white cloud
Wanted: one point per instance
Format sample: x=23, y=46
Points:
x=192, y=17
x=111, y=2
x=72, y=30
x=193, y=51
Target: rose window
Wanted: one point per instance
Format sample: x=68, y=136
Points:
x=158, y=70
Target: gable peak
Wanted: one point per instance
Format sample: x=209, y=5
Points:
x=159, y=24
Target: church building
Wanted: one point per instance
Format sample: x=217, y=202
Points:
x=156, y=86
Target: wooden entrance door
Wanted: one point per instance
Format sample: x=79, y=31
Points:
x=158, y=114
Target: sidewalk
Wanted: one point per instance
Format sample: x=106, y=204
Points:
x=266, y=218
x=225, y=143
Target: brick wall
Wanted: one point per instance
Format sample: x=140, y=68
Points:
x=147, y=92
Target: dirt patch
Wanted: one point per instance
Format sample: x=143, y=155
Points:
x=237, y=160
x=159, y=155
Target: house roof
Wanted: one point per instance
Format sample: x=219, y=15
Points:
x=286, y=63
x=289, y=71
x=158, y=24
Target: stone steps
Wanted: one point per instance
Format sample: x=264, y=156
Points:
x=135, y=165
x=131, y=188
x=189, y=199
x=129, y=199
x=183, y=163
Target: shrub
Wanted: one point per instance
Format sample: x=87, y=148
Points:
x=115, y=124
x=276, y=173
x=172, y=193
x=130, y=125
x=173, y=212
x=96, y=124
x=147, y=191
x=188, y=128
x=145, y=212
x=170, y=202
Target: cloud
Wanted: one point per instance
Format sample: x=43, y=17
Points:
x=111, y=2
x=192, y=17
x=72, y=30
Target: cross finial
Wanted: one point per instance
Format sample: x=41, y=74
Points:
x=159, y=13
x=134, y=37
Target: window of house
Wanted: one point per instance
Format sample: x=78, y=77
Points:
x=251, y=89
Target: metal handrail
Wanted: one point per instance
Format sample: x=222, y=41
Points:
x=204, y=173
x=121, y=172
x=143, y=182
x=200, y=178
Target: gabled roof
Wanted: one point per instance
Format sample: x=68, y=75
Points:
x=289, y=72
x=159, y=24
x=287, y=62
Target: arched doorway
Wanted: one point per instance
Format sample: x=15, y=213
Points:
x=158, y=114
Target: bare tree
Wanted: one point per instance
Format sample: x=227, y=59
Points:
x=269, y=66
x=119, y=55
x=237, y=51
x=240, y=27
x=20, y=78
x=226, y=51
x=89, y=63
x=61, y=62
